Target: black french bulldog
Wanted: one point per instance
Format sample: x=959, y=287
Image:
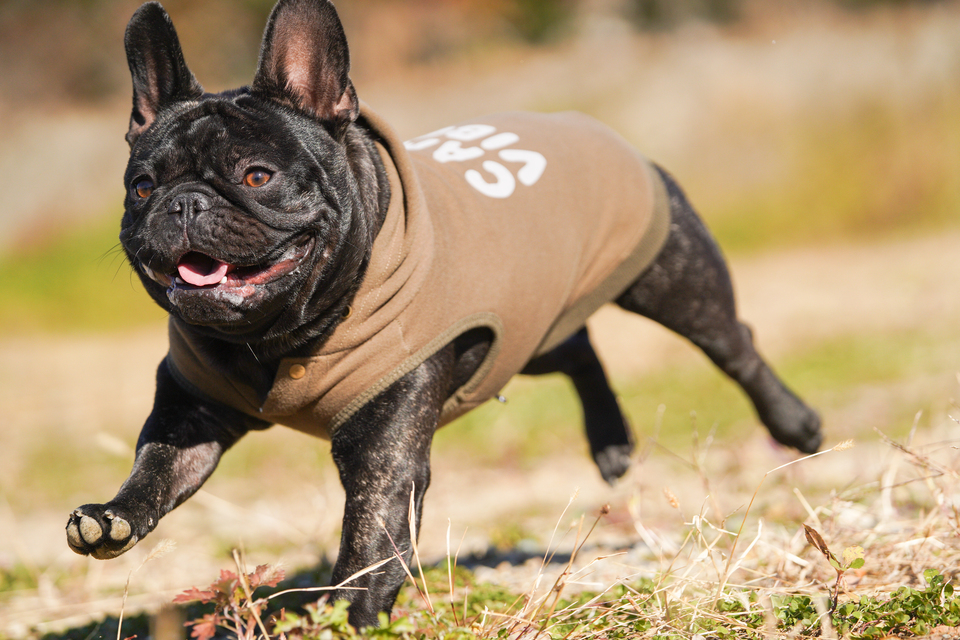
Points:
x=252, y=216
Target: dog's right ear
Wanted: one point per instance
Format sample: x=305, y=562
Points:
x=160, y=75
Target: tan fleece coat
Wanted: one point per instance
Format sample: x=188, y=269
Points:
x=521, y=223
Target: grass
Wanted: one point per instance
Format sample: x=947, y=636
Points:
x=75, y=281
x=49, y=469
x=541, y=420
x=17, y=577
x=713, y=587
x=826, y=579
x=878, y=171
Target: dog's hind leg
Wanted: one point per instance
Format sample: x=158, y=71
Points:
x=608, y=432
x=688, y=290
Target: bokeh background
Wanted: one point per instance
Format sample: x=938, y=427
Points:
x=819, y=139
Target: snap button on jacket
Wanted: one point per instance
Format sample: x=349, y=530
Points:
x=521, y=223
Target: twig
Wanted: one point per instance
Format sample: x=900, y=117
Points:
x=918, y=459
x=251, y=605
x=342, y=585
x=450, y=565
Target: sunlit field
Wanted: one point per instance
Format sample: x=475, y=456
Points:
x=820, y=143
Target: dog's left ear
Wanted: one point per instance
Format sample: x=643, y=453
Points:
x=304, y=62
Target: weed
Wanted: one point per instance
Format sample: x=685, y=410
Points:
x=852, y=559
x=907, y=611
x=235, y=609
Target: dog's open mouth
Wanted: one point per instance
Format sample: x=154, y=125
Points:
x=198, y=272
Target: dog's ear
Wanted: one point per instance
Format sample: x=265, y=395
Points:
x=305, y=63
x=160, y=75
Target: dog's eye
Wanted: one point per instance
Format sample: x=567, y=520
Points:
x=143, y=188
x=257, y=177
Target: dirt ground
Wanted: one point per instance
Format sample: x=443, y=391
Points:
x=84, y=420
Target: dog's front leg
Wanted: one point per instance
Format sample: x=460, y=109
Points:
x=179, y=447
x=383, y=455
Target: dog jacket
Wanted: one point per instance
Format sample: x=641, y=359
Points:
x=521, y=223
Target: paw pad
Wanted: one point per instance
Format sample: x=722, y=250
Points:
x=119, y=529
x=103, y=537
x=90, y=530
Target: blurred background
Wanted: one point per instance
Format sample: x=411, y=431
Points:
x=819, y=139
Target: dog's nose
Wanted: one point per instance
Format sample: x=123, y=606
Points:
x=188, y=205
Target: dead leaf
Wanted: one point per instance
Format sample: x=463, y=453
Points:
x=817, y=542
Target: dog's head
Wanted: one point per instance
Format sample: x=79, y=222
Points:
x=248, y=213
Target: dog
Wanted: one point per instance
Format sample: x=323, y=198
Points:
x=321, y=274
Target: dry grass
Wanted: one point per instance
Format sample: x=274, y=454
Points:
x=897, y=537
x=723, y=581
x=730, y=561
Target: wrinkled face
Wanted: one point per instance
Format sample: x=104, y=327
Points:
x=227, y=220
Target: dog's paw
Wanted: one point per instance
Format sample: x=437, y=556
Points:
x=98, y=531
x=613, y=461
x=797, y=426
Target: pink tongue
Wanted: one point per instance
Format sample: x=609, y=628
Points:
x=198, y=273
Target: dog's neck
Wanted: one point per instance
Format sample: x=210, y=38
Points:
x=367, y=167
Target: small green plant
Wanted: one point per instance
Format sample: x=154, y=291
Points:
x=796, y=612
x=852, y=559
x=323, y=621
x=907, y=611
x=236, y=610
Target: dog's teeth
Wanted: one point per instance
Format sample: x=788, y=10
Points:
x=179, y=280
x=223, y=280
